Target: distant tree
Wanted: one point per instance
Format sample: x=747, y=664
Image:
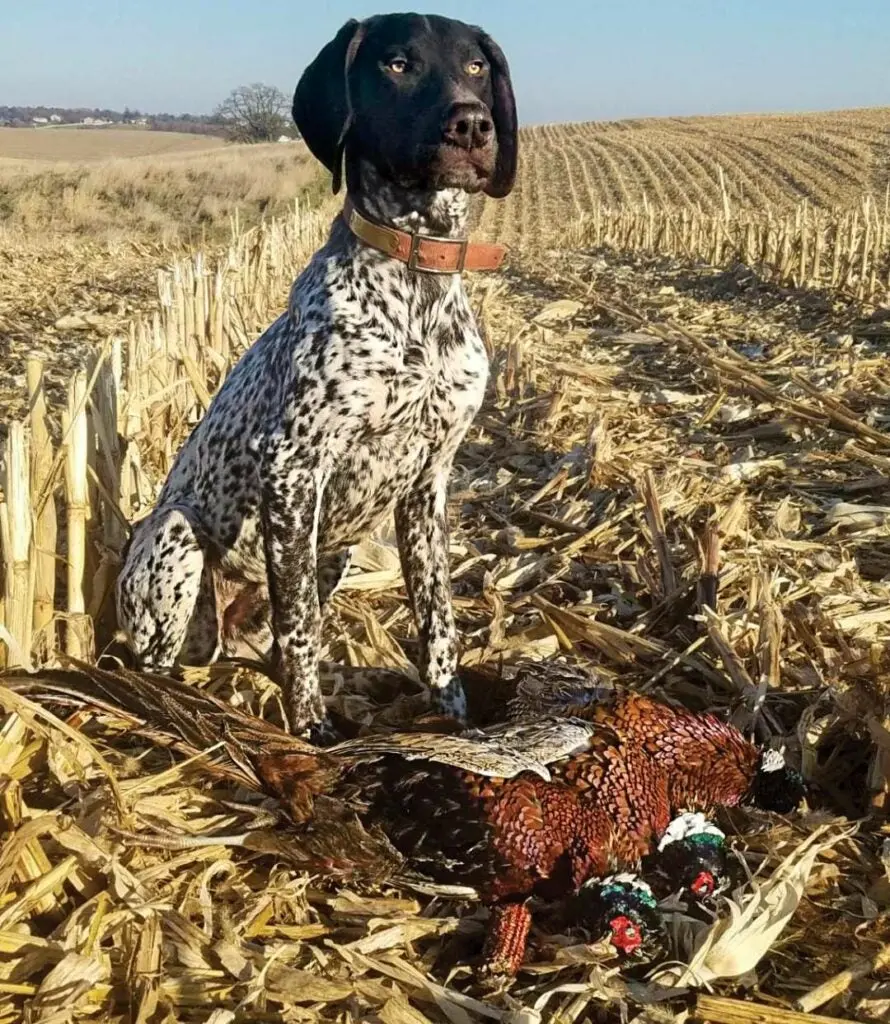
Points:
x=194, y=126
x=254, y=113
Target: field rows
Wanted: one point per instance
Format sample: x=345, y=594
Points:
x=710, y=164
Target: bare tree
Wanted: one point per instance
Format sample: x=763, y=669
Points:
x=254, y=113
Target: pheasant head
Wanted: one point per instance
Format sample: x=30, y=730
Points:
x=691, y=858
x=776, y=786
x=622, y=908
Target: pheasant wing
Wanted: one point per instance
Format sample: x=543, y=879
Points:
x=502, y=751
x=482, y=754
x=545, y=739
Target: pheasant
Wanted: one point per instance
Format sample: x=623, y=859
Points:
x=533, y=808
x=625, y=908
x=710, y=762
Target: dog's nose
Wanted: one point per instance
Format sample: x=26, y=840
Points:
x=469, y=126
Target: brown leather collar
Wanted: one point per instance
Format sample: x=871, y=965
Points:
x=424, y=252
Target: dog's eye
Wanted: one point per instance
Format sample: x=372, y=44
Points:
x=398, y=65
x=475, y=67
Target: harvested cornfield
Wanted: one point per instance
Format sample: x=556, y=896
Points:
x=679, y=480
x=757, y=161
x=801, y=198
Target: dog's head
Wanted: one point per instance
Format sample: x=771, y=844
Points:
x=426, y=100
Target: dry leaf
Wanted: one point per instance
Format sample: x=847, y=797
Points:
x=556, y=312
x=850, y=516
x=67, y=983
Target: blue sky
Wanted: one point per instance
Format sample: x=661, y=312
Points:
x=571, y=59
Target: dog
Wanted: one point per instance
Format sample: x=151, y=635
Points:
x=351, y=406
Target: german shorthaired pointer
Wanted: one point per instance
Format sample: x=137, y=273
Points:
x=353, y=402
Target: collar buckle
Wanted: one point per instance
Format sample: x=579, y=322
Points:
x=417, y=240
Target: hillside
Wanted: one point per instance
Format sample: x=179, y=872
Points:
x=172, y=184
x=113, y=184
x=83, y=230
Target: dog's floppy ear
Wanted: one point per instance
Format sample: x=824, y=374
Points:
x=322, y=109
x=504, y=114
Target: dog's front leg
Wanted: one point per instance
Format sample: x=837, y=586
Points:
x=290, y=512
x=422, y=533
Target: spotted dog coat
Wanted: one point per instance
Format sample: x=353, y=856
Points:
x=353, y=403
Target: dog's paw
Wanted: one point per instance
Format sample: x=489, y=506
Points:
x=322, y=734
x=450, y=700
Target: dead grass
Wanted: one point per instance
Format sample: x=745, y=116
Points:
x=829, y=158
x=173, y=198
x=80, y=243
x=58, y=298
x=77, y=144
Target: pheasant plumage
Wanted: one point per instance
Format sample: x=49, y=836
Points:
x=710, y=762
x=532, y=808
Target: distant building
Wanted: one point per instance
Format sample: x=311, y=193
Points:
x=39, y=120
x=55, y=118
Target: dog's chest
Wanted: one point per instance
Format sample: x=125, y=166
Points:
x=416, y=422
x=439, y=382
